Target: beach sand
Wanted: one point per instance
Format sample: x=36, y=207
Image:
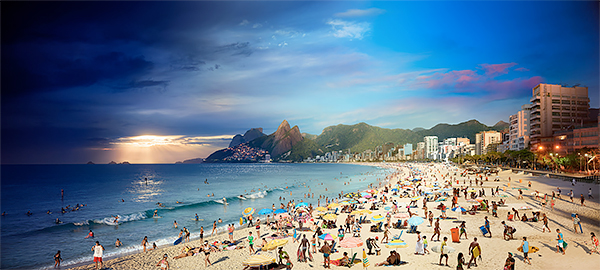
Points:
x=494, y=250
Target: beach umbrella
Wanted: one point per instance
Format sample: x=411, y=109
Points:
x=459, y=209
x=362, y=200
x=447, y=249
x=345, y=203
x=248, y=211
x=302, y=209
x=280, y=211
x=327, y=236
x=471, y=190
x=368, y=196
x=377, y=218
x=355, y=212
x=416, y=198
x=322, y=209
x=366, y=211
x=396, y=244
x=265, y=211
x=333, y=205
x=351, y=242
x=394, y=189
x=525, y=207
x=353, y=201
x=371, y=191
x=259, y=260
x=362, y=194
x=415, y=221
x=329, y=217
x=275, y=243
x=302, y=204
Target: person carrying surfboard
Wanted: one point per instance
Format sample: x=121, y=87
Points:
x=525, y=247
x=474, y=251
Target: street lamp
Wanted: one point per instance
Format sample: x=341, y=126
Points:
x=586, y=163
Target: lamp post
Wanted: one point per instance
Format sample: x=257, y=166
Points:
x=586, y=164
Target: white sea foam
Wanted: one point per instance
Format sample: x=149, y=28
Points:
x=125, y=218
x=257, y=195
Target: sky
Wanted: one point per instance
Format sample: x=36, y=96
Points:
x=159, y=82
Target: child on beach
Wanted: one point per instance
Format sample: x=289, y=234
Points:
x=251, y=242
x=164, y=264
x=595, y=244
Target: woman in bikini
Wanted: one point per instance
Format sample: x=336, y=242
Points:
x=164, y=264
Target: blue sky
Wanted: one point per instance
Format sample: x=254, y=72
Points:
x=81, y=81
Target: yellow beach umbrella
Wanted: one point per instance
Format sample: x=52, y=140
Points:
x=248, y=211
x=329, y=217
x=259, y=260
x=275, y=243
x=366, y=211
x=354, y=213
x=345, y=203
x=322, y=209
x=333, y=205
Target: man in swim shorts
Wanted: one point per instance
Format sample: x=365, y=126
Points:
x=98, y=250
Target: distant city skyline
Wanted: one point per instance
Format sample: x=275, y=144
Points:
x=159, y=82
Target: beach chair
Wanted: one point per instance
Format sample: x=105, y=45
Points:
x=351, y=262
x=413, y=229
x=333, y=248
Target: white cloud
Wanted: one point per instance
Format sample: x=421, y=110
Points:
x=346, y=29
x=257, y=25
x=283, y=44
x=360, y=12
x=244, y=22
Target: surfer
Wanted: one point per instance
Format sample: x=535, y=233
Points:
x=475, y=251
x=197, y=218
x=29, y=213
x=224, y=200
x=155, y=213
x=116, y=219
x=90, y=235
x=57, y=221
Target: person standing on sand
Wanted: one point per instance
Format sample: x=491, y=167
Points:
x=304, y=247
x=525, y=248
x=164, y=264
x=214, y=229
x=461, y=261
x=463, y=230
x=326, y=250
x=487, y=226
x=201, y=233
x=595, y=244
x=206, y=250
x=590, y=194
x=430, y=219
x=98, y=250
x=474, y=251
x=582, y=200
x=144, y=242
x=576, y=221
x=510, y=262
x=230, y=229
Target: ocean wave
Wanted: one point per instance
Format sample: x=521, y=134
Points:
x=111, y=220
x=257, y=195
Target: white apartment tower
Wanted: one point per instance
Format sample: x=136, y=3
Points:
x=431, y=146
x=519, y=128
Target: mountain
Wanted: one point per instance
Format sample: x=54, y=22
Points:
x=309, y=136
x=281, y=141
x=501, y=125
x=250, y=135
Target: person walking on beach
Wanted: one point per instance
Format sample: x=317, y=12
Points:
x=436, y=229
x=560, y=245
x=386, y=234
x=201, y=233
x=545, y=220
x=187, y=234
x=98, y=250
x=304, y=246
x=474, y=251
x=430, y=219
x=463, y=230
x=442, y=254
x=525, y=248
x=57, y=259
x=214, y=229
x=230, y=230
x=582, y=200
x=487, y=226
x=419, y=246
x=206, y=250
x=144, y=242
x=164, y=264
x=595, y=244
x=251, y=242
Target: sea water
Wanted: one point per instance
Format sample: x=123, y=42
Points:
x=132, y=192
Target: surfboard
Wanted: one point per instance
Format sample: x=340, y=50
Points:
x=157, y=217
x=177, y=241
x=241, y=220
x=532, y=249
x=200, y=219
x=241, y=198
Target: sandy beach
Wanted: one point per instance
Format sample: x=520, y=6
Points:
x=494, y=250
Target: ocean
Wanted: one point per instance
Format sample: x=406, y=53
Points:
x=131, y=192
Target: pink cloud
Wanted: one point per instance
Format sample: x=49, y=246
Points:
x=494, y=70
x=521, y=69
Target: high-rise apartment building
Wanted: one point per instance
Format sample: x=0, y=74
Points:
x=484, y=139
x=519, y=129
x=431, y=146
x=555, y=107
x=463, y=141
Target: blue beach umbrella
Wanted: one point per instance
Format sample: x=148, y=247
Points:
x=280, y=211
x=387, y=208
x=415, y=221
x=265, y=211
x=459, y=209
x=302, y=204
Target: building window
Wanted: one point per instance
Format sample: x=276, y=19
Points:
x=565, y=114
x=555, y=101
x=555, y=126
x=566, y=102
x=555, y=114
x=556, y=120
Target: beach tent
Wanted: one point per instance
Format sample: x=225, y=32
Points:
x=259, y=260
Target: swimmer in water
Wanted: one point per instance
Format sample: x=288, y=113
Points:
x=58, y=221
x=220, y=221
x=116, y=219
